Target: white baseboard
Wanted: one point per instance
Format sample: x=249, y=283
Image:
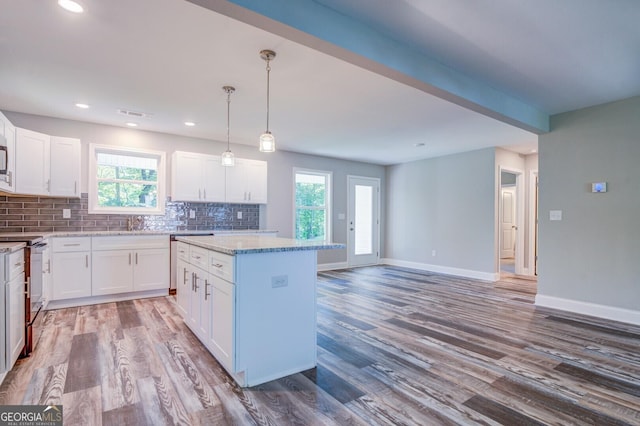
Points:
x=587, y=308
x=108, y=298
x=332, y=266
x=467, y=273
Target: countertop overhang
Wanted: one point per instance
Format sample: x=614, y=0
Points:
x=246, y=244
x=139, y=232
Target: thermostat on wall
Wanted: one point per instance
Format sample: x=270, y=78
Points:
x=599, y=187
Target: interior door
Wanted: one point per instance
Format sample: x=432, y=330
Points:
x=508, y=222
x=363, y=221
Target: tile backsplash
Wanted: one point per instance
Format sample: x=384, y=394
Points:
x=44, y=214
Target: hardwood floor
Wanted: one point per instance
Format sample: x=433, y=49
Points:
x=395, y=347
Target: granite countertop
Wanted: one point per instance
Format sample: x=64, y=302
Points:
x=11, y=247
x=141, y=232
x=234, y=245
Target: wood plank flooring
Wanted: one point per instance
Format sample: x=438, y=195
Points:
x=395, y=347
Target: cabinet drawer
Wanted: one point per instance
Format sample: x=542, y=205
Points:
x=66, y=244
x=16, y=264
x=221, y=265
x=130, y=242
x=183, y=251
x=198, y=257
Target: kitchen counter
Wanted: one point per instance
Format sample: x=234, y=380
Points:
x=234, y=245
x=11, y=247
x=141, y=232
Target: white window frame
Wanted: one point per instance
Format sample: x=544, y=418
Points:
x=328, y=175
x=160, y=156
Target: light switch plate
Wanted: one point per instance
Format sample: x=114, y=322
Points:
x=239, y=215
x=555, y=214
x=192, y=214
x=66, y=213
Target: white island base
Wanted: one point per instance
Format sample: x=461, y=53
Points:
x=260, y=320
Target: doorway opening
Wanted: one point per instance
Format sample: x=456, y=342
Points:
x=508, y=221
x=363, y=246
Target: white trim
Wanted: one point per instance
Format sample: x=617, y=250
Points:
x=329, y=200
x=467, y=273
x=351, y=256
x=520, y=196
x=332, y=266
x=107, y=298
x=587, y=308
x=161, y=156
x=533, y=174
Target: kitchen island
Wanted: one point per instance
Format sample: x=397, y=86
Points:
x=251, y=300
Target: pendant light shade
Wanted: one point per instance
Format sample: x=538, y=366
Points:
x=267, y=140
x=228, y=159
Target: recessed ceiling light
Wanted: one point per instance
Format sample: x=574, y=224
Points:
x=132, y=124
x=71, y=6
x=189, y=123
x=82, y=106
x=419, y=144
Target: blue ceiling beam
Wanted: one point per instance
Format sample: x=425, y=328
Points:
x=321, y=28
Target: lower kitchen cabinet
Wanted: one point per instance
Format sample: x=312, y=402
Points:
x=71, y=274
x=15, y=315
x=220, y=338
x=84, y=267
x=183, y=287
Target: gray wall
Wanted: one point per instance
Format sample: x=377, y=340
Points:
x=445, y=204
x=593, y=254
x=276, y=215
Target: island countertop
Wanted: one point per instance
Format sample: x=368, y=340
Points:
x=244, y=244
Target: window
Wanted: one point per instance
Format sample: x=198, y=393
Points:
x=312, y=205
x=126, y=181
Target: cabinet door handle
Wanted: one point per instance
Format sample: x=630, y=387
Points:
x=204, y=191
x=184, y=276
x=199, y=194
x=249, y=195
x=75, y=187
x=48, y=266
x=9, y=174
x=48, y=185
x=71, y=245
x=206, y=287
x=17, y=264
x=136, y=258
x=86, y=260
x=195, y=282
x=217, y=265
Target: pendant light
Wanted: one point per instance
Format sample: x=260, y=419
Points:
x=228, y=159
x=267, y=141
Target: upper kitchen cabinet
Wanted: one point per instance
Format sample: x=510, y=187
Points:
x=8, y=130
x=65, y=167
x=33, y=162
x=47, y=165
x=197, y=177
x=246, y=182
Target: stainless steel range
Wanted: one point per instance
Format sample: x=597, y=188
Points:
x=35, y=268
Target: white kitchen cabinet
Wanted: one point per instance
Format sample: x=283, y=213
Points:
x=199, y=318
x=246, y=182
x=47, y=165
x=123, y=264
x=32, y=162
x=197, y=177
x=15, y=290
x=222, y=326
x=65, y=167
x=183, y=287
x=70, y=267
x=7, y=182
x=112, y=272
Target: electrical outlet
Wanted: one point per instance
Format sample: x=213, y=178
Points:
x=280, y=281
x=66, y=213
x=239, y=215
x=192, y=214
x=433, y=253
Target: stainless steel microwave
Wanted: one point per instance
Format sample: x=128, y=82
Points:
x=4, y=156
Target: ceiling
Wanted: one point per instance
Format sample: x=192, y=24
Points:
x=170, y=58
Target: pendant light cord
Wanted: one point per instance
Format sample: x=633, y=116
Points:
x=268, y=72
x=228, y=114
